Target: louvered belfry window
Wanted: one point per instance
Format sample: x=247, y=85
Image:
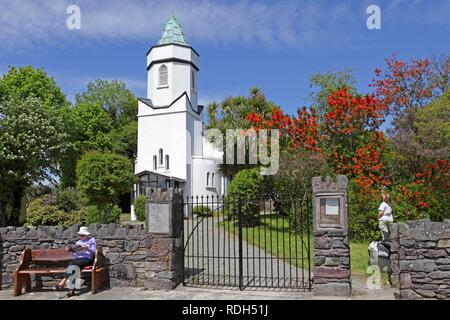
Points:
x=163, y=75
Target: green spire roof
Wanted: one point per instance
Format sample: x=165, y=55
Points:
x=172, y=33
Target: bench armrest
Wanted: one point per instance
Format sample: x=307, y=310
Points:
x=98, y=260
x=25, y=260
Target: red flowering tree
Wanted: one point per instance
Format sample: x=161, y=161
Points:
x=295, y=132
x=406, y=88
x=351, y=138
x=404, y=85
x=347, y=142
x=416, y=95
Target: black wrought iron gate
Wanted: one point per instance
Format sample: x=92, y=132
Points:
x=262, y=242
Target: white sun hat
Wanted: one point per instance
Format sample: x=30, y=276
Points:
x=84, y=231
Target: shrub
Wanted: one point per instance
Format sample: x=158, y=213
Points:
x=44, y=210
x=203, y=211
x=245, y=187
x=95, y=214
x=139, y=208
x=68, y=199
x=362, y=213
x=103, y=177
x=415, y=201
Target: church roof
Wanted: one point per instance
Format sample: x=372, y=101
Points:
x=172, y=33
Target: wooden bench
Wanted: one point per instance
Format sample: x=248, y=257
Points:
x=33, y=259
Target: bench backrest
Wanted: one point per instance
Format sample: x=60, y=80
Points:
x=50, y=255
x=42, y=256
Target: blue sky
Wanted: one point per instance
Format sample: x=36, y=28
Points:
x=274, y=45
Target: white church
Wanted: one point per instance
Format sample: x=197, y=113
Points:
x=172, y=150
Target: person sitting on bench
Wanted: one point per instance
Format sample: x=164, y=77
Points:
x=83, y=253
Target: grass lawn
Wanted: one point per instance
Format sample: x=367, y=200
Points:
x=274, y=235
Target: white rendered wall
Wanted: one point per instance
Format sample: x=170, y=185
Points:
x=210, y=150
x=200, y=168
x=162, y=130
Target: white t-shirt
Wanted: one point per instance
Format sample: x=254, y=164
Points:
x=387, y=212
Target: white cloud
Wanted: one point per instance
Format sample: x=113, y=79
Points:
x=29, y=25
x=32, y=25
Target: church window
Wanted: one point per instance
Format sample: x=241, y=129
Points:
x=161, y=157
x=207, y=179
x=193, y=80
x=154, y=163
x=163, y=75
x=212, y=179
x=167, y=162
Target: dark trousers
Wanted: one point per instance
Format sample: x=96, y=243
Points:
x=80, y=262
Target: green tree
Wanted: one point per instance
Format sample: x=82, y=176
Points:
x=245, y=188
x=231, y=114
x=104, y=118
x=102, y=178
x=124, y=140
x=296, y=170
x=113, y=97
x=90, y=127
x=32, y=140
x=27, y=94
x=23, y=82
x=433, y=129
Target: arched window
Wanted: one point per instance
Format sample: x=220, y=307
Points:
x=154, y=163
x=160, y=157
x=167, y=162
x=193, y=80
x=207, y=179
x=212, y=179
x=163, y=75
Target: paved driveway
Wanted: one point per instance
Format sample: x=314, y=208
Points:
x=360, y=292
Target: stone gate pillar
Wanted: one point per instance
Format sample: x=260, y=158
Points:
x=164, y=223
x=332, y=274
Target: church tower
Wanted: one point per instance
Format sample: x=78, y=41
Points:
x=169, y=118
x=172, y=67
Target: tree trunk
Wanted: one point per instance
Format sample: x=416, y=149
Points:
x=17, y=195
x=2, y=214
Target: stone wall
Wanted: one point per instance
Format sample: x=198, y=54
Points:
x=420, y=259
x=134, y=257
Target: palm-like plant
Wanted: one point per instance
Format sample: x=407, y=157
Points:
x=231, y=113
